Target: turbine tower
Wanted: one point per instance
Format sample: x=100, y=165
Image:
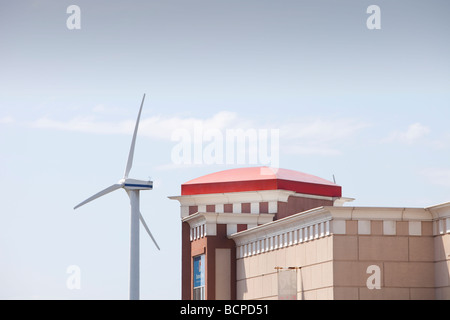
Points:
x=132, y=187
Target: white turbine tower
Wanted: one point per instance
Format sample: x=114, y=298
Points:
x=132, y=187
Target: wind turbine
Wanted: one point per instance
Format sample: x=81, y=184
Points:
x=132, y=187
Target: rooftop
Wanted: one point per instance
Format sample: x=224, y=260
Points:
x=260, y=178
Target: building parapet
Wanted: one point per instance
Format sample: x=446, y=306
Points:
x=324, y=221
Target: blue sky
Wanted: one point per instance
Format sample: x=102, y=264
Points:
x=370, y=107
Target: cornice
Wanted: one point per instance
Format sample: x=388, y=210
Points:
x=234, y=197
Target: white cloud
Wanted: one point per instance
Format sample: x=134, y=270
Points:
x=437, y=176
x=309, y=149
x=324, y=130
x=84, y=124
x=108, y=110
x=443, y=142
x=317, y=136
x=155, y=127
x=6, y=120
x=163, y=127
x=414, y=133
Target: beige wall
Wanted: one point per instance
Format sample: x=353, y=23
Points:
x=257, y=276
x=442, y=266
x=336, y=266
x=360, y=253
x=406, y=263
x=223, y=274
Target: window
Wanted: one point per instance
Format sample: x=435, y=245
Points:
x=199, y=277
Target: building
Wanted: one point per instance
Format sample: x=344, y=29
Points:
x=263, y=233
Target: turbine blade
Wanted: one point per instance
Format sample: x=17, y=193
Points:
x=99, y=194
x=133, y=142
x=148, y=230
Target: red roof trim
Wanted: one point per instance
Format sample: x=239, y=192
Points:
x=224, y=187
x=257, y=185
x=310, y=188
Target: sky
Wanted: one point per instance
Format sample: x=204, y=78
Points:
x=335, y=98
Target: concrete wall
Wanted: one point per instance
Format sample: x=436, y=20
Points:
x=257, y=277
x=362, y=259
x=442, y=266
x=403, y=264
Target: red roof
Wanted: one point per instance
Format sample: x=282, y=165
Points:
x=260, y=178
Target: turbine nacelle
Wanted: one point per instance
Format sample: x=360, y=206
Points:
x=134, y=184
